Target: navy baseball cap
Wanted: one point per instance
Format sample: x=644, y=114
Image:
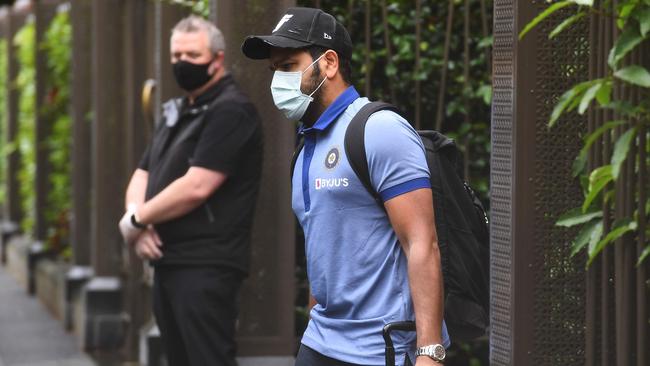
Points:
x=300, y=28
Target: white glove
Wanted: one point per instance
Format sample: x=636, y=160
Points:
x=129, y=231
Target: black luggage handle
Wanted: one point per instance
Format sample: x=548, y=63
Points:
x=405, y=326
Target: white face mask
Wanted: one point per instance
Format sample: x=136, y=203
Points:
x=287, y=96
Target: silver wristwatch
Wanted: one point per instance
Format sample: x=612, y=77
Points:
x=435, y=351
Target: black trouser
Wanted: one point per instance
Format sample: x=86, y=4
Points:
x=309, y=357
x=196, y=311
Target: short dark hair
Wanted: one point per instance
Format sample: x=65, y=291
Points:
x=345, y=66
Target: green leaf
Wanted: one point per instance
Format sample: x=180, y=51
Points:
x=543, y=15
x=619, y=230
x=595, y=236
x=583, y=2
x=624, y=13
x=634, y=74
x=620, y=151
x=577, y=217
x=625, y=43
x=584, y=236
x=598, y=179
x=588, y=97
x=581, y=160
x=643, y=256
x=567, y=99
x=604, y=95
x=643, y=16
x=565, y=24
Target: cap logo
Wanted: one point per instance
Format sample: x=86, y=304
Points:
x=327, y=36
x=284, y=19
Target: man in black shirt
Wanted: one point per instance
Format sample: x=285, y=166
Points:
x=190, y=203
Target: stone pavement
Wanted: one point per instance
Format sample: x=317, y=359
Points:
x=29, y=335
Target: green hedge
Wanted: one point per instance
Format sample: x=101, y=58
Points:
x=24, y=41
x=57, y=45
x=3, y=115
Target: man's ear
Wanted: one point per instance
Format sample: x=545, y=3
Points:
x=217, y=62
x=332, y=63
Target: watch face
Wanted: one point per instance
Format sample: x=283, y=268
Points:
x=439, y=352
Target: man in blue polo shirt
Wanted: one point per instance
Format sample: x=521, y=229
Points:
x=367, y=265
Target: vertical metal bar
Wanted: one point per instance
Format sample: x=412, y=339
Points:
x=486, y=33
x=271, y=284
x=641, y=272
x=607, y=354
x=80, y=108
x=590, y=303
x=445, y=66
x=389, y=48
x=466, y=87
x=368, y=35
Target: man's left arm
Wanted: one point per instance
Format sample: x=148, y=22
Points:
x=182, y=196
x=412, y=217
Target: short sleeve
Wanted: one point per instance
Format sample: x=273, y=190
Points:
x=226, y=133
x=396, y=156
x=144, y=161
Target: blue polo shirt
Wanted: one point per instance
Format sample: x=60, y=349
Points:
x=356, y=268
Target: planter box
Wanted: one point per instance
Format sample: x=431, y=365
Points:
x=17, y=253
x=8, y=229
x=50, y=285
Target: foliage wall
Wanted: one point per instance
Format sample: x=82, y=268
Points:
x=24, y=41
x=57, y=46
x=3, y=115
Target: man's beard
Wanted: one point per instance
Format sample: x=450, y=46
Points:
x=316, y=106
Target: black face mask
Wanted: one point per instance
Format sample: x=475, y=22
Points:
x=191, y=76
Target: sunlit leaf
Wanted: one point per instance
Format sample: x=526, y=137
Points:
x=543, y=15
x=595, y=236
x=584, y=2
x=565, y=101
x=625, y=43
x=581, y=160
x=643, y=16
x=624, y=13
x=589, y=95
x=565, y=24
x=598, y=180
x=591, y=230
x=620, y=150
x=619, y=230
x=643, y=256
x=604, y=94
x=634, y=74
x=577, y=217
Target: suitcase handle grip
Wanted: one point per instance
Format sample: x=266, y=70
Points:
x=405, y=326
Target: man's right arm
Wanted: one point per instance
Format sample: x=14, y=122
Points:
x=135, y=192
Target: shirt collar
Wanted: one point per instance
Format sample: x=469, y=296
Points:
x=333, y=111
x=211, y=93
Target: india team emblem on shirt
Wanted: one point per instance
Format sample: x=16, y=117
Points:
x=332, y=158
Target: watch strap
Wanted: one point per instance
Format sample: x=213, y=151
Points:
x=135, y=222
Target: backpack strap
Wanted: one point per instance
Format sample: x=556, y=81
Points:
x=355, y=145
x=294, y=158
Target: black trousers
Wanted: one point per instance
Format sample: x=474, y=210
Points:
x=196, y=311
x=309, y=357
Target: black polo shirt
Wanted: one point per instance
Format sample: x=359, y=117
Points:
x=221, y=131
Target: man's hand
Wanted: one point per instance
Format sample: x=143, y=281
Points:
x=148, y=244
x=426, y=361
x=129, y=231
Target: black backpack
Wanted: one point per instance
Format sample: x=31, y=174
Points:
x=461, y=224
